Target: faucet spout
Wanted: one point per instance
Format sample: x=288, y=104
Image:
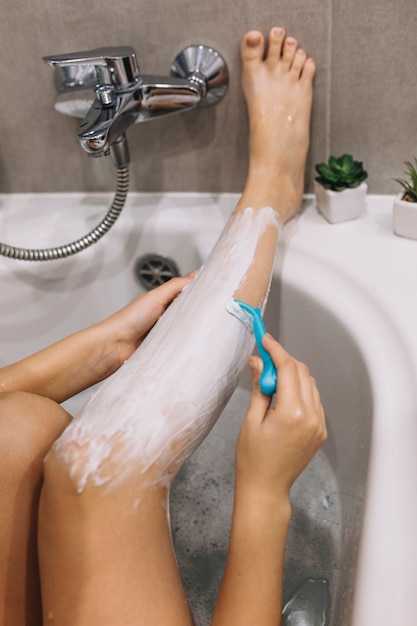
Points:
x=160, y=96
x=105, y=123
x=110, y=117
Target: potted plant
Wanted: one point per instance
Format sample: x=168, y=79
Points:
x=340, y=188
x=405, y=204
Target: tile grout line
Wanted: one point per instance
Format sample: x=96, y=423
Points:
x=329, y=81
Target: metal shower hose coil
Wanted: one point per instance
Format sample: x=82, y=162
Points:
x=60, y=252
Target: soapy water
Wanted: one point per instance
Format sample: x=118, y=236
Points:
x=201, y=510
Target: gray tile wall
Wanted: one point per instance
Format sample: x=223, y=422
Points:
x=366, y=97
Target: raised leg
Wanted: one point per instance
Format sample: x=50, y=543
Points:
x=104, y=540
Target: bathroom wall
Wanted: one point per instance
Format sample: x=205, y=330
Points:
x=366, y=98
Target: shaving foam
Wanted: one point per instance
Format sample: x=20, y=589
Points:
x=242, y=315
x=151, y=414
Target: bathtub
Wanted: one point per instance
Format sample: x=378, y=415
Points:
x=343, y=299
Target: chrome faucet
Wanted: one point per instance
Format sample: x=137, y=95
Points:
x=105, y=88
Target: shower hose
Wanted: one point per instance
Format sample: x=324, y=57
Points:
x=60, y=252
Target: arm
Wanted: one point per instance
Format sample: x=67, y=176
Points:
x=87, y=357
x=274, y=446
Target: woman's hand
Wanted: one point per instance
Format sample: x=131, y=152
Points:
x=277, y=442
x=128, y=327
x=90, y=355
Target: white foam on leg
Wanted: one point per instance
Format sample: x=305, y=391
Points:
x=158, y=407
x=243, y=316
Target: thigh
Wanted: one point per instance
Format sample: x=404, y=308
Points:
x=106, y=555
x=29, y=424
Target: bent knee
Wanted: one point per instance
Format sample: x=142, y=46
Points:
x=76, y=467
x=29, y=424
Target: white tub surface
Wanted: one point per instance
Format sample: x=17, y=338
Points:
x=381, y=269
x=365, y=275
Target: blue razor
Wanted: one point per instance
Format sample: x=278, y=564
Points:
x=269, y=378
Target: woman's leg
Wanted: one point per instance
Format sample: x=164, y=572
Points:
x=105, y=547
x=29, y=424
x=31, y=420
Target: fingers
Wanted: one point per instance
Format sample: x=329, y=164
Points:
x=297, y=390
x=288, y=378
x=277, y=442
x=165, y=293
x=294, y=375
x=277, y=352
x=259, y=402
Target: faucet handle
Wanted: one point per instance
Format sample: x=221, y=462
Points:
x=113, y=66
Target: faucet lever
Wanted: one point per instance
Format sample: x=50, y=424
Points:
x=116, y=66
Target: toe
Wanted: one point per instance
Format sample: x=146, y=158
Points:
x=309, y=69
x=289, y=50
x=276, y=39
x=252, y=47
x=298, y=62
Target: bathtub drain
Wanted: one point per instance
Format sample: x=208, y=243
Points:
x=153, y=270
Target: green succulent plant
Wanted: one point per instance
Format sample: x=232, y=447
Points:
x=410, y=187
x=341, y=173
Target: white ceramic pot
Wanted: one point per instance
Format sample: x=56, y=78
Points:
x=405, y=217
x=340, y=206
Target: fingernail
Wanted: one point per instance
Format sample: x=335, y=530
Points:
x=191, y=274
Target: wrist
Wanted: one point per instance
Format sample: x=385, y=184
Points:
x=107, y=351
x=258, y=502
x=121, y=336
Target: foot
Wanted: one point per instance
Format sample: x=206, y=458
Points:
x=278, y=89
